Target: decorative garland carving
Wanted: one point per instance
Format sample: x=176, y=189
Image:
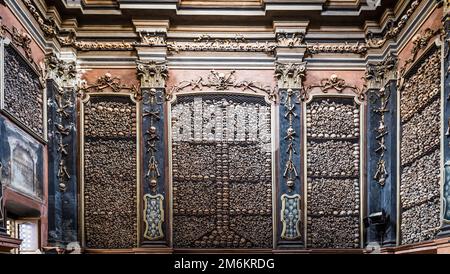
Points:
x=206, y=43
x=420, y=42
x=47, y=25
x=357, y=48
x=220, y=82
x=154, y=217
x=334, y=82
x=108, y=83
x=20, y=39
x=393, y=29
x=290, y=216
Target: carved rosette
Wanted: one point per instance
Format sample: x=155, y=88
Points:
x=153, y=76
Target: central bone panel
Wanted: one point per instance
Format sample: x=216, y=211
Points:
x=222, y=172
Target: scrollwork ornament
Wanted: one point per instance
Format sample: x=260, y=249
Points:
x=221, y=81
x=336, y=83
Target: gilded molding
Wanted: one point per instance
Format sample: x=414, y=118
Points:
x=220, y=82
x=290, y=216
x=336, y=83
x=393, y=29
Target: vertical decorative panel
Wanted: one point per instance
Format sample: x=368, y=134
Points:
x=222, y=172
x=62, y=150
x=333, y=175
x=290, y=87
x=420, y=120
x=382, y=151
x=109, y=154
x=153, y=75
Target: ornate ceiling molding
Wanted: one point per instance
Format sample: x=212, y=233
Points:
x=221, y=82
x=207, y=43
x=109, y=84
x=47, y=25
x=357, y=48
x=393, y=28
x=336, y=83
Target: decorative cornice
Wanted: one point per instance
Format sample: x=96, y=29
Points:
x=221, y=82
x=357, y=48
x=108, y=83
x=393, y=29
x=336, y=83
x=290, y=75
x=152, y=74
x=47, y=25
x=207, y=43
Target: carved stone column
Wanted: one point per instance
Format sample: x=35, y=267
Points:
x=62, y=151
x=382, y=151
x=445, y=229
